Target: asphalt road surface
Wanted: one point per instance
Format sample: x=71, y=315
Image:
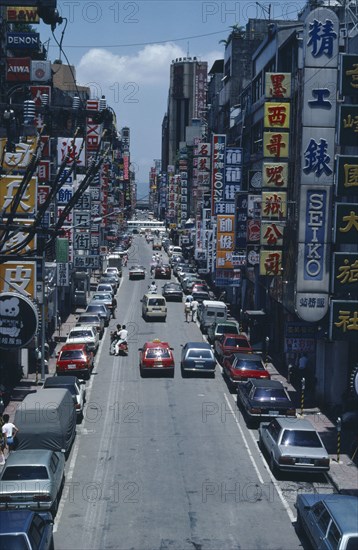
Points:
x=166, y=463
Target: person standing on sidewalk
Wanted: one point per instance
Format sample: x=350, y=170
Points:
x=9, y=431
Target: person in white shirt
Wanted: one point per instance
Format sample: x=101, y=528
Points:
x=9, y=430
x=123, y=335
x=194, y=309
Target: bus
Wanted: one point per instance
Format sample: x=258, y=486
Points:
x=141, y=226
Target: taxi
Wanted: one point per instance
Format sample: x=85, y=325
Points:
x=156, y=356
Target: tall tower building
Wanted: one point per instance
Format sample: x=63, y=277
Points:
x=187, y=100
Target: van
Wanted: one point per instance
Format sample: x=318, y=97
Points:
x=46, y=420
x=209, y=312
x=154, y=305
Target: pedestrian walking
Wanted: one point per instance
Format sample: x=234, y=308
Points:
x=194, y=309
x=9, y=431
x=114, y=303
x=187, y=310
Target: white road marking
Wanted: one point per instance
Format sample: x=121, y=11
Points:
x=272, y=477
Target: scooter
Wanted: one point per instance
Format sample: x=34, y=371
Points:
x=122, y=348
x=152, y=290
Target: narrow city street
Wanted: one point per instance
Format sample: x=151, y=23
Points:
x=167, y=463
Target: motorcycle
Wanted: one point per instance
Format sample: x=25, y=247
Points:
x=122, y=348
x=152, y=289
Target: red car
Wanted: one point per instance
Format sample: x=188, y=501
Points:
x=156, y=356
x=75, y=359
x=238, y=367
x=198, y=287
x=229, y=343
x=163, y=271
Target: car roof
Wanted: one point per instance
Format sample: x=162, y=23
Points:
x=82, y=327
x=236, y=336
x=29, y=457
x=345, y=515
x=198, y=345
x=214, y=303
x=150, y=295
x=60, y=381
x=226, y=324
x=156, y=344
x=18, y=521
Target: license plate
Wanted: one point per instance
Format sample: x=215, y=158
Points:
x=71, y=366
x=156, y=308
x=158, y=364
x=303, y=461
x=199, y=365
x=273, y=413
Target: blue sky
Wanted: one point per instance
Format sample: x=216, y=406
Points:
x=124, y=50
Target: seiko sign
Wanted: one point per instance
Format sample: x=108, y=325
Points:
x=23, y=40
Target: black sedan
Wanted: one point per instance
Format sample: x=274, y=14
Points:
x=197, y=357
x=172, y=291
x=264, y=399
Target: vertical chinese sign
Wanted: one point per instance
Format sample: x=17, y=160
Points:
x=217, y=172
x=277, y=110
x=320, y=43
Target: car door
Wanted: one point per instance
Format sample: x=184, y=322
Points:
x=270, y=436
x=319, y=521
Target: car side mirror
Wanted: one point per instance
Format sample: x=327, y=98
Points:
x=140, y=349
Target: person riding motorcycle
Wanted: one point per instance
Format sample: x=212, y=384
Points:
x=122, y=338
x=153, y=287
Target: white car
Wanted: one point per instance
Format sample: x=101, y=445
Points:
x=113, y=270
x=84, y=334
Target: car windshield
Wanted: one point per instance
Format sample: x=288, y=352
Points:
x=95, y=307
x=267, y=394
x=301, y=438
x=224, y=329
x=153, y=353
x=71, y=354
x=156, y=302
x=107, y=297
x=199, y=354
x=19, y=473
x=88, y=319
x=249, y=365
x=80, y=333
x=236, y=342
x=71, y=389
x=172, y=286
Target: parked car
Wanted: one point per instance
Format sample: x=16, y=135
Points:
x=293, y=446
x=227, y=344
x=75, y=359
x=101, y=310
x=84, y=335
x=111, y=279
x=216, y=329
x=197, y=357
x=239, y=367
x=264, y=399
x=200, y=296
x=105, y=287
x=112, y=271
x=328, y=520
x=156, y=356
x=26, y=530
x=136, y=272
x=32, y=479
x=199, y=287
x=172, y=291
x=93, y=320
x=188, y=282
x=175, y=250
x=211, y=311
x=162, y=271
x=184, y=271
x=105, y=298
x=74, y=386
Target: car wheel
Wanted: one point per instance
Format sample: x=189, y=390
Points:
x=184, y=374
x=80, y=417
x=143, y=373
